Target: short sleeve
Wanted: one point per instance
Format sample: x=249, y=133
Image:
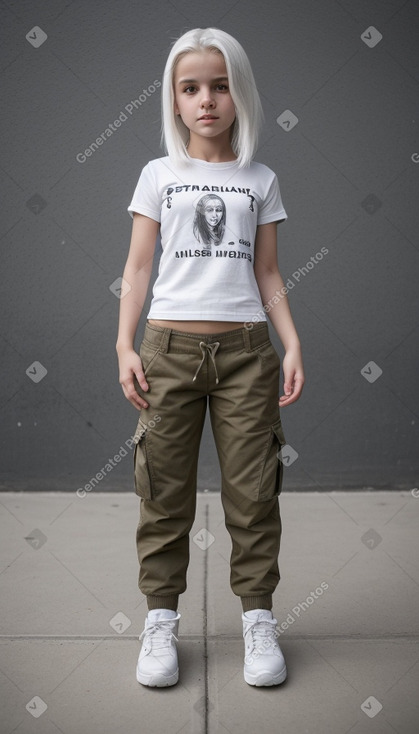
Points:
x=271, y=208
x=146, y=198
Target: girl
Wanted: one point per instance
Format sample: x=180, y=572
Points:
x=206, y=342
x=210, y=219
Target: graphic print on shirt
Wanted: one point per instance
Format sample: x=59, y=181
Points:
x=210, y=219
x=210, y=222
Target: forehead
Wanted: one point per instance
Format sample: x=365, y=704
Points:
x=200, y=66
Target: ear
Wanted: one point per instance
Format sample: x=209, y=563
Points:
x=176, y=108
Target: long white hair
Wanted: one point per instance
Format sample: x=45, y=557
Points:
x=249, y=114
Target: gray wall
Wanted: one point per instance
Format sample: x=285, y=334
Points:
x=349, y=177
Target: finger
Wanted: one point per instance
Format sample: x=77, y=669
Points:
x=284, y=400
x=288, y=385
x=295, y=394
x=137, y=400
x=140, y=384
x=298, y=386
x=132, y=395
x=137, y=406
x=142, y=380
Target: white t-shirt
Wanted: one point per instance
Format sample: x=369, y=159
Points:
x=208, y=214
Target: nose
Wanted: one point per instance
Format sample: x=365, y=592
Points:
x=206, y=99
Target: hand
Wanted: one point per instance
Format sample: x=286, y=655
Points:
x=292, y=365
x=130, y=366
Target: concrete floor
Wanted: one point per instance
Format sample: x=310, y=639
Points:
x=71, y=614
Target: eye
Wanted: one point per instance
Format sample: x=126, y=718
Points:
x=190, y=89
x=222, y=87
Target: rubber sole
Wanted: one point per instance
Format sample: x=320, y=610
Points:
x=157, y=681
x=265, y=678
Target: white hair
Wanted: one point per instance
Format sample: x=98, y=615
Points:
x=249, y=114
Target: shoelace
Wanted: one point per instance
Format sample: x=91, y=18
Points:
x=211, y=349
x=160, y=634
x=263, y=632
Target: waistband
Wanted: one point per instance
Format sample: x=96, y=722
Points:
x=167, y=339
x=180, y=341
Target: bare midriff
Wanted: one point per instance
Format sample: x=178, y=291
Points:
x=198, y=327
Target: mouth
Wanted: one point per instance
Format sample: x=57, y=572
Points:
x=208, y=117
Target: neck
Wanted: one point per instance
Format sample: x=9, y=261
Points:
x=212, y=150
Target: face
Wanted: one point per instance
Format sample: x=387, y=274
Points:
x=202, y=96
x=213, y=212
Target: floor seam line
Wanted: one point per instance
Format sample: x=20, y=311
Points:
x=205, y=625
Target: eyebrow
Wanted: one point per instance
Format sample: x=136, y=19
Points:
x=195, y=81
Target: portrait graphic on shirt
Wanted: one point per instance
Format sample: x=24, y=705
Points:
x=210, y=219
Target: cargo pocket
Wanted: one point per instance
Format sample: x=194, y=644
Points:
x=272, y=468
x=142, y=475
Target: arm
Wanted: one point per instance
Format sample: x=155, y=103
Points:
x=136, y=279
x=269, y=281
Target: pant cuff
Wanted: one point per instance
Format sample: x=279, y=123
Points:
x=168, y=601
x=256, y=602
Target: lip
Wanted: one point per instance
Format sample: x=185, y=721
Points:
x=208, y=117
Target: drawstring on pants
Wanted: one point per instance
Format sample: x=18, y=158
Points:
x=211, y=349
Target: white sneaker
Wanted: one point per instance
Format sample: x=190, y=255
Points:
x=264, y=663
x=158, y=663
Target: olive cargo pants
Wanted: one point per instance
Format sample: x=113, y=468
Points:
x=237, y=374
